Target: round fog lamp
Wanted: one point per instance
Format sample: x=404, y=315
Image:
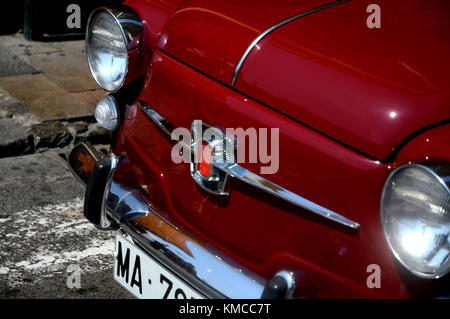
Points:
x=107, y=113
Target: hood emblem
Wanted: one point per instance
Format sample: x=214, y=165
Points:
x=210, y=146
x=213, y=165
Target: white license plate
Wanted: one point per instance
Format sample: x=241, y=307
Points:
x=146, y=278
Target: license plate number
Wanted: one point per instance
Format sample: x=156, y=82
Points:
x=146, y=278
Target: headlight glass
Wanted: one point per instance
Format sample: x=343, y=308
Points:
x=106, y=50
x=415, y=213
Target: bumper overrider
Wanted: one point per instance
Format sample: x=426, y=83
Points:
x=109, y=205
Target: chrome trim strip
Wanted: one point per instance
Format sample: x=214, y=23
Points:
x=160, y=121
x=209, y=271
x=259, y=182
x=272, y=28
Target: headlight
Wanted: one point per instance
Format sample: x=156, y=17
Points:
x=110, y=34
x=415, y=213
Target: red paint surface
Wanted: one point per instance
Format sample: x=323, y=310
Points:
x=212, y=35
x=432, y=145
x=367, y=88
x=262, y=232
x=154, y=14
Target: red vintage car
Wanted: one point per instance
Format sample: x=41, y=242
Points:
x=273, y=149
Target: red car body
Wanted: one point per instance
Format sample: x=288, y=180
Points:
x=351, y=104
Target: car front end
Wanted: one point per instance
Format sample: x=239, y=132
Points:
x=343, y=188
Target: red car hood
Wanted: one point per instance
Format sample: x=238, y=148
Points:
x=211, y=36
x=367, y=88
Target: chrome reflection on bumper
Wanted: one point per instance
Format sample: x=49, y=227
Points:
x=208, y=271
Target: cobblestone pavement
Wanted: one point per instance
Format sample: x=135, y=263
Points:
x=47, y=97
x=44, y=237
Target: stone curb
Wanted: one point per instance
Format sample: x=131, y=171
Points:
x=17, y=139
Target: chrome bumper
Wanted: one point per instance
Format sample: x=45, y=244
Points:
x=206, y=269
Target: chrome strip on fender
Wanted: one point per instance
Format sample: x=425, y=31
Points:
x=260, y=182
x=272, y=28
x=255, y=180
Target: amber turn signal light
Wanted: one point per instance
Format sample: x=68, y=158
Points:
x=82, y=160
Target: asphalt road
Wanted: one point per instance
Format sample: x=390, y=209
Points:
x=45, y=242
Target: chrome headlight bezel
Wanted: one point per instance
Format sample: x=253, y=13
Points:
x=440, y=172
x=131, y=28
